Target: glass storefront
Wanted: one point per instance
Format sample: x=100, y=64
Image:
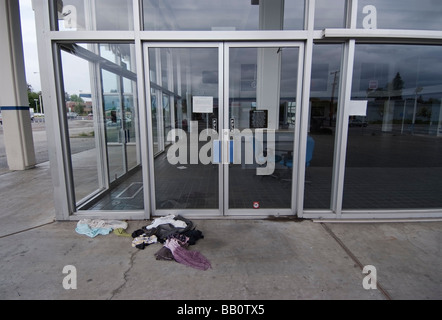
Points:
x=315, y=109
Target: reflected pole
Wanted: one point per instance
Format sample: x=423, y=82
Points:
x=418, y=89
x=333, y=95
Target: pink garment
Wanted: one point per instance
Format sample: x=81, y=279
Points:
x=189, y=258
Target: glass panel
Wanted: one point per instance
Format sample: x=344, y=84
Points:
x=83, y=145
x=155, y=126
x=394, y=152
x=329, y=14
x=166, y=117
x=114, y=124
x=78, y=15
x=400, y=14
x=101, y=112
x=130, y=130
x=110, y=84
x=262, y=111
x=223, y=15
x=184, y=174
x=324, y=95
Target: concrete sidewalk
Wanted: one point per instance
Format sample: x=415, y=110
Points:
x=251, y=259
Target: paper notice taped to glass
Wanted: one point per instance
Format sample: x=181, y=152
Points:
x=357, y=108
x=202, y=104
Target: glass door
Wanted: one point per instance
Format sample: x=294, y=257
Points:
x=223, y=127
x=185, y=95
x=262, y=99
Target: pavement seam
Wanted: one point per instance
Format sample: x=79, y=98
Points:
x=25, y=230
x=354, y=258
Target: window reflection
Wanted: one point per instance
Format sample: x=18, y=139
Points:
x=215, y=15
x=400, y=14
x=393, y=156
x=77, y=15
x=329, y=14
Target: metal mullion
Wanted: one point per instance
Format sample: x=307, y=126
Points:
x=100, y=138
x=148, y=149
x=224, y=126
x=305, y=104
x=91, y=36
x=342, y=128
x=297, y=189
x=143, y=136
x=221, y=122
x=90, y=14
x=137, y=6
x=220, y=36
x=63, y=129
x=351, y=14
x=123, y=122
x=390, y=35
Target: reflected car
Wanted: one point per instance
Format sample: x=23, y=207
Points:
x=72, y=115
x=357, y=123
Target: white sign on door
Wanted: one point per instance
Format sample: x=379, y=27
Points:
x=202, y=104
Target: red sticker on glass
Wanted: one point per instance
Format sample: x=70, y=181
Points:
x=256, y=205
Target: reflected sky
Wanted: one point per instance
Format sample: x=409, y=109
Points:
x=418, y=66
x=200, y=15
x=404, y=14
x=326, y=61
x=329, y=14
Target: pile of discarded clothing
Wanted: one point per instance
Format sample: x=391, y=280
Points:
x=176, y=233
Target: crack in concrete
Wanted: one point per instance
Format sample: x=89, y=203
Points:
x=125, y=275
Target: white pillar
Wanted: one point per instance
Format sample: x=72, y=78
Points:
x=19, y=144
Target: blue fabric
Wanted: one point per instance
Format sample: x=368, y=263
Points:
x=83, y=228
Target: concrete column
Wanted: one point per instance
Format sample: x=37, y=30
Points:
x=14, y=103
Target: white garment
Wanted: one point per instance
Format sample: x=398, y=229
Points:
x=112, y=224
x=165, y=220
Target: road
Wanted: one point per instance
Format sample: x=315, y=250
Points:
x=78, y=144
